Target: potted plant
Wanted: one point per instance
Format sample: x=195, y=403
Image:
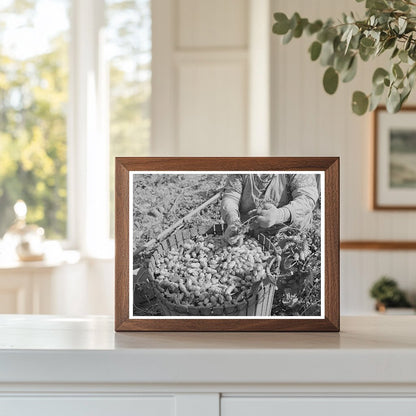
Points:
x=387, y=294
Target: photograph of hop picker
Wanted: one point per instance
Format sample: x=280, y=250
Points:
x=215, y=249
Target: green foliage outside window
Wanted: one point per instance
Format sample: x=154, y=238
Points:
x=33, y=100
x=34, y=103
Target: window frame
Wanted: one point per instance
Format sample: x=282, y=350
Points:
x=87, y=133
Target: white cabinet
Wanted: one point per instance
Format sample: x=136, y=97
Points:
x=52, y=365
x=88, y=406
x=269, y=406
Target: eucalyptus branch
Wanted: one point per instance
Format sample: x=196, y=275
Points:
x=389, y=26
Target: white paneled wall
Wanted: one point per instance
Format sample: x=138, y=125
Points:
x=201, y=77
x=308, y=122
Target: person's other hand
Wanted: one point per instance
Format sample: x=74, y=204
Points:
x=269, y=215
x=231, y=234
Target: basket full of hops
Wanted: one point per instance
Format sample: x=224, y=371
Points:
x=195, y=273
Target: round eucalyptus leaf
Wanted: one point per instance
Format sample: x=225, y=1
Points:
x=315, y=50
x=404, y=57
x=288, y=37
x=404, y=96
x=374, y=102
x=379, y=75
x=378, y=89
x=282, y=26
x=315, y=27
x=341, y=61
x=300, y=26
x=397, y=71
x=393, y=101
x=395, y=52
x=351, y=71
x=359, y=103
x=389, y=43
x=322, y=36
x=367, y=42
x=330, y=81
x=366, y=53
x=327, y=53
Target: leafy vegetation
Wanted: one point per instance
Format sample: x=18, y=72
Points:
x=34, y=103
x=389, y=27
x=33, y=99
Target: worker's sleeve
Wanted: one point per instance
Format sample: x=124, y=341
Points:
x=231, y=199
x=304, y=191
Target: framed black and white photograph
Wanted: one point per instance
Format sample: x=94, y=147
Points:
x=237, y=244
x=395, y=159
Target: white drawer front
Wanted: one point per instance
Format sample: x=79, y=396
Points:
x=87, y=406
x=270, y=406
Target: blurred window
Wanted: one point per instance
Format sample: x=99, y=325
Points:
x=35, y=98
x=33, y=101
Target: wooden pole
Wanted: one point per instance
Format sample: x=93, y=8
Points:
x=178, y=223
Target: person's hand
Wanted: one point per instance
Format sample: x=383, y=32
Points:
x=231, y=234
x=270, y=215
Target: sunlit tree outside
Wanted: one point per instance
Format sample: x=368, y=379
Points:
x=33, y=103
x=34, y=85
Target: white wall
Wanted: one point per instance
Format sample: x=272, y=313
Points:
x=203, y=84
x=308, y=122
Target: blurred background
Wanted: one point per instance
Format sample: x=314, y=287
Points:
x=83, y=81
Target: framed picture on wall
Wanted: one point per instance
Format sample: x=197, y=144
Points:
x=227, y=244
x=394, y=178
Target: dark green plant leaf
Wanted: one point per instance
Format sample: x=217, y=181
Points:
x=351, y=71
x=389, y=43
x=327, y=53
x=367, y=42
x=374, y=102
x=404, y=96
x=315, y=50
x=376, y=4
x=379, y=75
x=341, y=61
x=397, y=71
x=359, y=103
x=288, y=37
x=314, y=27
x=400, y=5
x=393, y=101
x=408, y=42
x=395, y=52
x=282, y=26
x=403, y=56
x=330, y=81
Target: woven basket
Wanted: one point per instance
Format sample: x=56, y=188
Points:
x=259, y=304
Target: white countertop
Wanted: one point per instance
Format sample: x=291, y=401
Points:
x=52, y=349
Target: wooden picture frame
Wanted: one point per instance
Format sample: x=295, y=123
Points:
x=386, y=196
x=326, y=167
